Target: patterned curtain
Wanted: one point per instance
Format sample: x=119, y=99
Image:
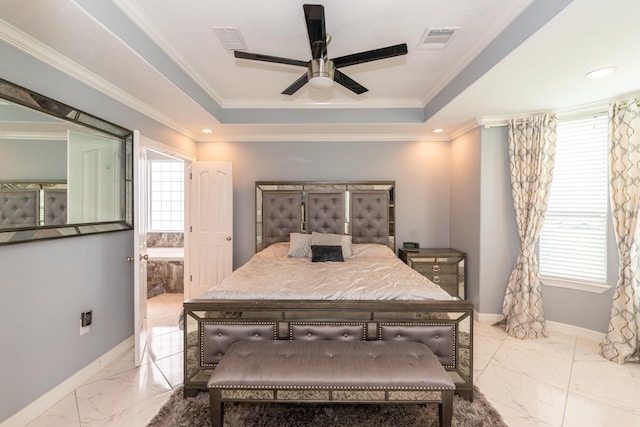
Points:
x=622, y=342
x=532, y=147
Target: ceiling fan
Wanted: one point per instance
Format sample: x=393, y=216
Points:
x=322, y=71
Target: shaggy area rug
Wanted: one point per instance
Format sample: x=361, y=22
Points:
x=194, y=412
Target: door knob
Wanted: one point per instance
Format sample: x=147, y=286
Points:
x=228, y=238
x=144, y=257
x=129, y=259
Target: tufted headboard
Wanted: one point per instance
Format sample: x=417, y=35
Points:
x=365, y=210
x=32, y=204
x=55, y=206
x=19, y=208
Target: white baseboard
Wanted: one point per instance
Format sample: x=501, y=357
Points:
x=576, y=331
x=50, y=398
x=486, y=317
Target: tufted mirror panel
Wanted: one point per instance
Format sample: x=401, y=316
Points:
x=364, y=209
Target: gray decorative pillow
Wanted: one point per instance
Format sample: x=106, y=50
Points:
x=320, y=253
x=299, y=245
x=333, y=240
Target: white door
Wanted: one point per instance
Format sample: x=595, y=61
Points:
x=93, y=188
x=140, y=256
x=211, y=225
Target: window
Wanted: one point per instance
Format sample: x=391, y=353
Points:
x=167, y=195
x=573, y=240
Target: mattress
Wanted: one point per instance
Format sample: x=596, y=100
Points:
x=372, y=273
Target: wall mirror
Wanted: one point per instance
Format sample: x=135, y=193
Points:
x=63, y=172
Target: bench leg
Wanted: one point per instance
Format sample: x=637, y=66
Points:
x=189, y=393
x=217, y=410
x=445, y=409
x=465, y=394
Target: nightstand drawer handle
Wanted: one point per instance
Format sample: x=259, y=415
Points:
x=436, y=268
x=436, y=279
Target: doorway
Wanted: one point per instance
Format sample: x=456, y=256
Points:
x=207, y=234
x=166, y=223
x=145, y=148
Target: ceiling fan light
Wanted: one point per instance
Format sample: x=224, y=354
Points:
x=321, y=82
x=320, y=73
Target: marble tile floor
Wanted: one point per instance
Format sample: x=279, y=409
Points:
x=558, y=381
x=120, y=394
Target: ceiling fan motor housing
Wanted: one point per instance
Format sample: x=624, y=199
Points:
x=320, y=72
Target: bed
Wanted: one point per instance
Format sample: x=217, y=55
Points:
x=297, y=288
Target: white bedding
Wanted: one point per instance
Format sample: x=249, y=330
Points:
x=373, y=273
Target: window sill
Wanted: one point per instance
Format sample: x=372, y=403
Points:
x=578, y=286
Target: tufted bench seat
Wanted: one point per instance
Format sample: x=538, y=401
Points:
x=330, y=371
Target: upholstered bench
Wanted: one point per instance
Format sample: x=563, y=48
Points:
x=330, y=371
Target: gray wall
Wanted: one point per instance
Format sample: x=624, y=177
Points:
x=465, y=207
x=421, y=171
x=499, y=241
x=33, y=160
x=46, y=285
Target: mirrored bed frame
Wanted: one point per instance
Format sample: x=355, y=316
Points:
x=366, y=211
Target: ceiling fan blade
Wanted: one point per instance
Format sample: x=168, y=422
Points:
x=348, y=82
x=268, y=58
x=293, y=88
x=370, y=55
x=314, y=15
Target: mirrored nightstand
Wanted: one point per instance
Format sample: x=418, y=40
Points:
x=443, y=266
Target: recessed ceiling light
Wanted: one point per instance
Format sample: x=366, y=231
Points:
x=205, y=130
x=600, y=72
x=437, y=130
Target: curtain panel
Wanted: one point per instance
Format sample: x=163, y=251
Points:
x=532, y=145
x=622, y=342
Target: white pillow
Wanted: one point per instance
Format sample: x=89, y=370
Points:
x=299, y=245
x=333, y=240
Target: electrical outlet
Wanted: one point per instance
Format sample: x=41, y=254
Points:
x=86, y=318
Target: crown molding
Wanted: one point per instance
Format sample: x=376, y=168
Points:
x=18, y=39
x=137, y=16
x=464, y=128
x=34, y=136
x=596, y=107
x=316, y=137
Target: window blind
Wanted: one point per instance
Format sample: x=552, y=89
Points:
x=573, y=240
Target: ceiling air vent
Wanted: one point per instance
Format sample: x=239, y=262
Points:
x=437, y=38
x=231, y=38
